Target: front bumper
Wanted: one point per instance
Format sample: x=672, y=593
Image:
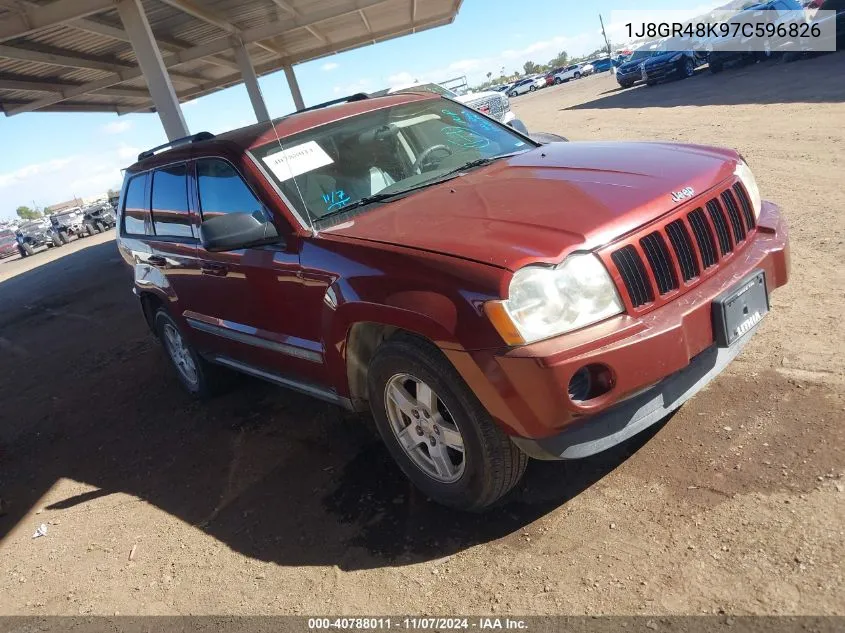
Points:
x=658, y=360
x=662, y=72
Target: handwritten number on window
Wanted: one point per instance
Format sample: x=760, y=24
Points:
x=336, y=200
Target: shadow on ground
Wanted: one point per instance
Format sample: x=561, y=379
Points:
x=769, y=82
x=87, y=395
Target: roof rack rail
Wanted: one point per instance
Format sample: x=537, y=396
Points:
x=358, y=96
x=196, y=138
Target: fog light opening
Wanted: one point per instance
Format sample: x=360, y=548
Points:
x=589, y=382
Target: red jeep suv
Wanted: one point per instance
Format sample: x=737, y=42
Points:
x=487, y=297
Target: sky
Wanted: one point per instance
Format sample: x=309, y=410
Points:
x=52, y=157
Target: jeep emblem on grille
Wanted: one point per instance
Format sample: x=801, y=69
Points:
x=683, y=194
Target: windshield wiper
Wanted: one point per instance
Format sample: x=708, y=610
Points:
x=480, y=162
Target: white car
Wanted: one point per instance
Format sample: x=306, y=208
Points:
x=540, y=81
x=570, y=72
x=522, y=86
x=587, y=69
x=490, y=102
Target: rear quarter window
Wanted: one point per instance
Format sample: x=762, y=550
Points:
x=135, y=211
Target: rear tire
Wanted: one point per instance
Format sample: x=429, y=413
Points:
x=56, y=240
x=488, y=465
x=99, y=227
x=197, y=376
x=577, y=75
x=558, y=81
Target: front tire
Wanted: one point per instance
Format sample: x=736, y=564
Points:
x=689, y=68
x=63, y=236
x=532, y=89
x=577, y=75
x=436, y=429
x=56, y=240
x=558, y=81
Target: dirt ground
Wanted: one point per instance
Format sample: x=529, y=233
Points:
x=266, y=502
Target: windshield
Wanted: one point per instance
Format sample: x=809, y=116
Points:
x=388, y=151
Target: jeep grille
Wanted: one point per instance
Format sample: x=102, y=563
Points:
x=655, y=264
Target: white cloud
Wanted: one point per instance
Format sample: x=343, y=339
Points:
x=401, y=78
x=329, y=66
x=63, y=178
x=117, y=127
x=24, y=173
x=126, y=152
x=362, y=85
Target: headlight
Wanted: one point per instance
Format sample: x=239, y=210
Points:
x=544, y=302
x=746, y=177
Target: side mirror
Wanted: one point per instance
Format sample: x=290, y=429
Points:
x=233, y=231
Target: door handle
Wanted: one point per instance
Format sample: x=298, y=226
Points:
x=218, y=270
x=157, y=261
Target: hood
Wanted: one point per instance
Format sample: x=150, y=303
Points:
x=541, y=205
x=661, y=58
x=631, y=66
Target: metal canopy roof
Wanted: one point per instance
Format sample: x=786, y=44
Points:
x=74, y=55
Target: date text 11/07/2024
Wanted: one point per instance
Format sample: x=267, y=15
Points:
x=417, y=624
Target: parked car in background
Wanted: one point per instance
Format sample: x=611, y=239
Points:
x=521, y=87
x=407, y=257
x=670, y=65
x=587, y=69
x=838, y=18
x=630, y=71
x=539, y=82
x=99, y=218
x=69, y=223
x=490, y=102
x=602, y=65
x=36, y=234
x=8, y=244
x=737, y=50
x=570, y=72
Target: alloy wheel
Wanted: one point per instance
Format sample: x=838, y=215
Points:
x=180, y=355
x=424, y=428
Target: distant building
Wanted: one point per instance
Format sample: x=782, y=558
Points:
x=61, y=206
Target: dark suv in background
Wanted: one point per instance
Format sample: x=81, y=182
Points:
x=69, y=223
x=485, y=297
x=36, y=234
x=99, y=218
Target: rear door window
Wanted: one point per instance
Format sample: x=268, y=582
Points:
x=171, y=213
x=135, y=212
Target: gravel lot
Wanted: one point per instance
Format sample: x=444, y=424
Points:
x=266, y=502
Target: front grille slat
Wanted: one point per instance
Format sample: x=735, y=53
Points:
x=703, y=237
x=677, y=253
x=745, y=203
x=634, y=276
x=658, y=258
x=721, y=226
x=681, y=243
x=733, y=213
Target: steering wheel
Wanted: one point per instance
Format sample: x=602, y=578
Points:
x=422, y=158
